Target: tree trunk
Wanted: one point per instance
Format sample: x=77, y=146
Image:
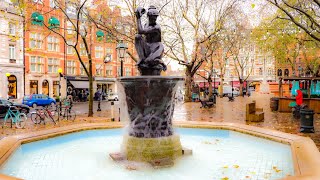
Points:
x=210, y=86
x=221, y=86
x=188, y=86
x=241, y=87
x=90, y=112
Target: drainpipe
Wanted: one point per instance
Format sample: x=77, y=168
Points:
x=24, y=56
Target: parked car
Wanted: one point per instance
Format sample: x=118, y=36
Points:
x=113, y=97
x=4, y=105
x=21, y=107
x=35, y=100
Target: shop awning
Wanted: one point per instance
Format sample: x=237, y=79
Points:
x=80, y=84
x=53, y=22
x=99, y=33
x=207, y=84
x=37, y=19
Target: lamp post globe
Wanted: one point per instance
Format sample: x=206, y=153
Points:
x=121, y=50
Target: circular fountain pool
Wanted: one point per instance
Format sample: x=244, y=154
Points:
x=217, y=154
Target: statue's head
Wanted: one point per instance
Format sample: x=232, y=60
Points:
x=153, y=13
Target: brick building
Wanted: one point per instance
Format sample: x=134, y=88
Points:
x=46, y=52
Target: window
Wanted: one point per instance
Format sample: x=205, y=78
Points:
x=33, y=87
x=69, y=28
x=71, y=9
x=128, y=71
x=12, y=29
x=70, y=49
x=260, y=59
x=83, y=51
x=71, y=67
x=109, y=71
x=82, y=71
x=118, y=71
x=108, y=51
x=53, y=65
x=36, y=64
x=53, y=43
x=12, y=52
x=127, y=58
x=52, y=4
x=99, y=68
x=99, y=52
x=269, y=72
x=37, y=1
x=36, y=40
x=260, y=71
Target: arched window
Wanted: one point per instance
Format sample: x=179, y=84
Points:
x=12, y=86
x=33, y=87
x=260, y=71
x=45, y=87
x=286, y=72
x=279, y=72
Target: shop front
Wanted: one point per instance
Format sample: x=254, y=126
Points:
x=11, y=84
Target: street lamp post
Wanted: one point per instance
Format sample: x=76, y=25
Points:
x=106, y=60
x=232, y=87
x=300, y=71
x=60, y=75
x=8, y=75
x=121, y=50
x=214, y=81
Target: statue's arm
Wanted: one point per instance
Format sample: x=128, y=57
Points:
x=147, y=29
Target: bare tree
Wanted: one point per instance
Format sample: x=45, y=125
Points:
x=189, y=25
x=243, y=65
x=75, y=13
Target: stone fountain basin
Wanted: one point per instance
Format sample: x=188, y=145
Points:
x=305, y=155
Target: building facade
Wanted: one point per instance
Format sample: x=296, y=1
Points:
x=46, y=52
x=259, y=66
x=11, y=52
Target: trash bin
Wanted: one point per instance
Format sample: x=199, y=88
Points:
x=274, y=103
x=306, y=120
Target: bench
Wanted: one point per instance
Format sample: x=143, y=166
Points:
x=208, y=104
x=254, y=114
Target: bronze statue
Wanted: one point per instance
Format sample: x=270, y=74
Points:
x=148, y=43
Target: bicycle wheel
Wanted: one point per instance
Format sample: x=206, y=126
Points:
x=35, y=118
x=71, y=114
x=7, y=122
x=21, y=120
x=53, y=115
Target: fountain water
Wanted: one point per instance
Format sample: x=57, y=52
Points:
x=150, y=101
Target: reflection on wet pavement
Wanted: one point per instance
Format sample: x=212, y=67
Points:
x=234, y=112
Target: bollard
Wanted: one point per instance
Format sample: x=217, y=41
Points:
x=112, y=111
x=119, y=114
x=99, y=108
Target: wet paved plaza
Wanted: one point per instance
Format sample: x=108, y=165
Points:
x=223, y=112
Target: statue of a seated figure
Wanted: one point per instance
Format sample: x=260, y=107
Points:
x=148, y=43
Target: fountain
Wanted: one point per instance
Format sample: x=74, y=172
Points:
x=218, y=147
x=150, y=101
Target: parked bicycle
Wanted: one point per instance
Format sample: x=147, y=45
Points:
x=65, y=111
x=13, y=115
x=41, y=114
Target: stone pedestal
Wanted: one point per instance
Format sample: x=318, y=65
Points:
x=150, y=103
x=150, y=149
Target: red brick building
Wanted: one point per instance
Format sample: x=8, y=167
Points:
x=46, y=52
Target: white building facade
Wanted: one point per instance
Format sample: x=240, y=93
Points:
x=11, y=52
